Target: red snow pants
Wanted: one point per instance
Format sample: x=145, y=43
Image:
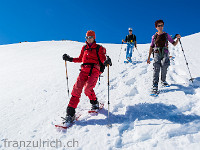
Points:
x=84, y=80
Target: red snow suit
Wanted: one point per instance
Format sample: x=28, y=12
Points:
x=87, y=77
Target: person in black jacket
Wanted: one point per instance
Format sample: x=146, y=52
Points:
x=131, y=42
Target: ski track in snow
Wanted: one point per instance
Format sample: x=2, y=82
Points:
x=34, y=97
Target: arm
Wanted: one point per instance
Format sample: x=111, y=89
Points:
x=175, y=43
x=178, y=38
x=102, y=54
x=102, y=57
x=135, y=41
x=79, y=59
x=150, y=51
x=136, y=44
x=172, y=41
x=125, y=40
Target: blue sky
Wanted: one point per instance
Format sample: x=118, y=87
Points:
x=43, y=20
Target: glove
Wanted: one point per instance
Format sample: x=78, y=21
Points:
x=67, y=58
x=177, y=36
x=107, y=61
x=174, y=36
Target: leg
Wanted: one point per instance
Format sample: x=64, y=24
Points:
x=77, y=89
x=156, y=72
x=127, y=51
x=91, y=83
x=164, y=66
x=131, y=50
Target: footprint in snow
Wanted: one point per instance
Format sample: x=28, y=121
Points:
x=123, y=71
x=113, y=79
x=133, y=92
x=113, y=86
x=124, y=75
x=144, y=71
x=130, y=81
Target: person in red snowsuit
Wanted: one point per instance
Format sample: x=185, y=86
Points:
x=93, y=57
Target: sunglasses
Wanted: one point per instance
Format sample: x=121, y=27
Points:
x=162, y=25
x=89, y=37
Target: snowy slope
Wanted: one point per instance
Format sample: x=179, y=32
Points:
x=33, y=97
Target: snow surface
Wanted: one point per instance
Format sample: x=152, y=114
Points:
x=33, y=97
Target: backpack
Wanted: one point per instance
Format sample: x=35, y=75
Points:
x=102, y=67
x=160, y=49
x=156, y=35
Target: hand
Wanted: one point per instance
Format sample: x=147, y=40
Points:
x=148, y=61
x=67, y=58
x=122, y=40
x=178, y=36
x=107, y=61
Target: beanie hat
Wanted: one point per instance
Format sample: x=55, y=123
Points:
x=90, y=33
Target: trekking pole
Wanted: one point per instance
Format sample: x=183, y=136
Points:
x=120, y=51
x=99, y=79
x=109, y=125
x=138, y=52
x=191, y=79
x=67, y=78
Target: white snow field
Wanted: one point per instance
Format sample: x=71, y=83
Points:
x=33, y=97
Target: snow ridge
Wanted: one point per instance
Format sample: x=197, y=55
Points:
x=34, y=96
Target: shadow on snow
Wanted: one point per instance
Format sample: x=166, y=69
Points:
x=144, y=111
x=186, y=89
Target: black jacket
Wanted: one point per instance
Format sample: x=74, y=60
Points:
x=130, y=38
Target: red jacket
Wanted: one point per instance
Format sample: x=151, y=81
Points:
x=90, y=55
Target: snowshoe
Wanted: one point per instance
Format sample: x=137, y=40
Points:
x=68, y=120
x=126, y=62
x=96, y=111
x=95, y=106
x=130, y=60
x=164, y=84
x=154, y=91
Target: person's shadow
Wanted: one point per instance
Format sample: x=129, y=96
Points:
x=143, y=111
x=186, y=89
x=147, y=111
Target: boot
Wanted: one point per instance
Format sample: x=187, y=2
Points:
x=155, y=88
x=164, y=83
x=70, y=116
x=95, y=104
